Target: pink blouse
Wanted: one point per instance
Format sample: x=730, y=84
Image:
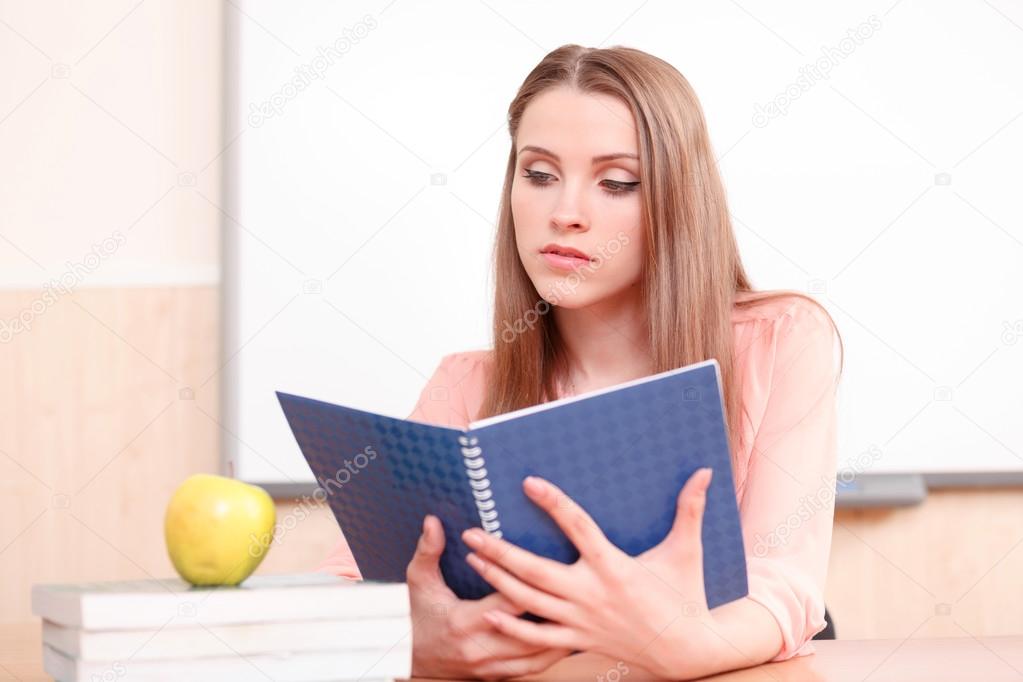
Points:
x=787, y=362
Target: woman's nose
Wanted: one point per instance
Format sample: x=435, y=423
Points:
x=569, y=222
x=570, y=214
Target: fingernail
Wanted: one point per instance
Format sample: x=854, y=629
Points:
x=474, y=561
x=472, y=537
x=533, y=485
x=709, y=475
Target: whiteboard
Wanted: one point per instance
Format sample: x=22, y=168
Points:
x=870, y=153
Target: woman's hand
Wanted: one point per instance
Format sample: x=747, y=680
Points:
x=450, y=637
x=649, y=610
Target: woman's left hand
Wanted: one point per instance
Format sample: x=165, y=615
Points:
x=650, y=610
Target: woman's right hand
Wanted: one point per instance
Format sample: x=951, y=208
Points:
x=450, y=638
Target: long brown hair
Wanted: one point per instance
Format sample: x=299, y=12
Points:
x=693, y=273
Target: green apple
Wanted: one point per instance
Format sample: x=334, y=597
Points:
x=218, y=529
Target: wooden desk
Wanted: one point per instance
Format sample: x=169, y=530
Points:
x=990, y=659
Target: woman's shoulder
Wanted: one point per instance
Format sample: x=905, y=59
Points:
x=454, y=391
x=466, y=369
x=773, y=328
x=776, y=306
x=467, y=359
x=464, y=372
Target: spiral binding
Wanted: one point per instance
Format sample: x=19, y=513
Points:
x=476, y=470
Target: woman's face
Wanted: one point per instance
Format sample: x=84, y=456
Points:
x=577, y=186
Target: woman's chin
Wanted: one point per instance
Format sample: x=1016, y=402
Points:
x=569, y=302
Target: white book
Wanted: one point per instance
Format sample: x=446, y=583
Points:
x=225, y=640
x=368, y=664
x=139, y=604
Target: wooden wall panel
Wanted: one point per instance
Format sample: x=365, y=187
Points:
x=950, y=567
x=98, y=430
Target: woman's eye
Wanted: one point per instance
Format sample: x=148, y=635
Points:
x=619, y=188
x=537, y=177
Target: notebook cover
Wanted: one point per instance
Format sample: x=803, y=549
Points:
x=623, y=454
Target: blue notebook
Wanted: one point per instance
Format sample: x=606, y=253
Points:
x=622, y=452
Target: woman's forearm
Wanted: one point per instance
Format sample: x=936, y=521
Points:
x=739, y=634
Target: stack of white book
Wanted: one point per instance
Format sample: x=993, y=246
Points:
x=297, y=627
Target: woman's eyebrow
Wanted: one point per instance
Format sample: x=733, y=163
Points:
x=596, y=159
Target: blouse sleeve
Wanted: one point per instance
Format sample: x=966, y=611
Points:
x=788, y=506
x=439, y=403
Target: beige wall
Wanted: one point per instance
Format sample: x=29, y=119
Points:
x=95, y=429
x=110, y=120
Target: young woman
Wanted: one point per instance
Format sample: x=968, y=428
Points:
x=615, y=259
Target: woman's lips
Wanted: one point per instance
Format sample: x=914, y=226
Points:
x=560, y=262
